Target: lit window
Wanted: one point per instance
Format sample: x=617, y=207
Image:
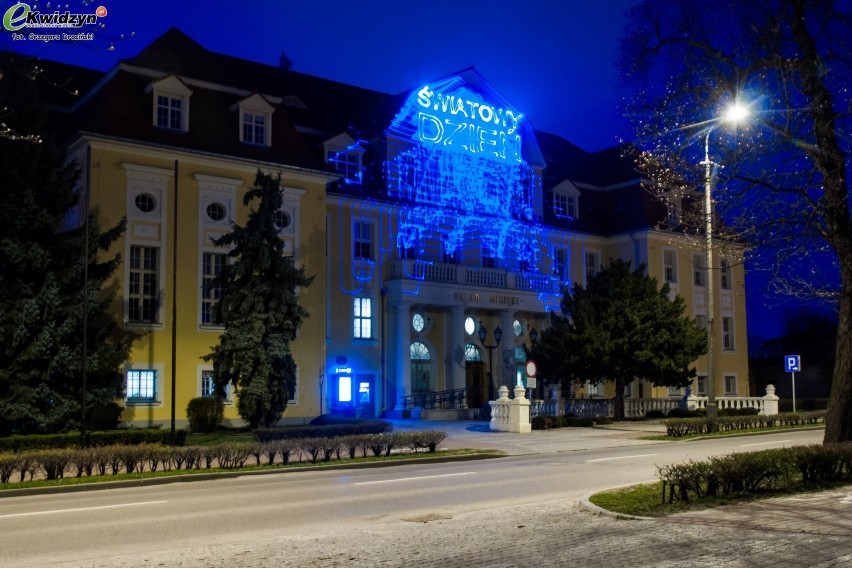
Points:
x=670, y=266
x=418, y=323
x=208, y=387
x=728, y=334
x=363, y=323
x=699, y=270
x=469, y=326
x=362, y=246
x=142, y=385
x=143, y=301
x=517, y=328
x=471, y=353
x=419, y=352
x=344, y=389
x=725, y=273
x=212, y=264
x=730, y=385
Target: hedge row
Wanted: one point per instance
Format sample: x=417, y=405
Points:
x=322, y=431
x=677, y=427
x=54, y=463
x=753, y=472
x=18, y=443
x=549, y=422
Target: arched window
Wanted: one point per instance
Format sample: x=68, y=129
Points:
x=421, y=368
x=419, y=352
x=471, y=353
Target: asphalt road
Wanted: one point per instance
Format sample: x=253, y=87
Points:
x=158, y=525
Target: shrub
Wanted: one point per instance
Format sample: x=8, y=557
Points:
x=542, y=423
x=683, y=413
x=104, y=415
x=655, y=414
x=205, y=413
x=322, y=431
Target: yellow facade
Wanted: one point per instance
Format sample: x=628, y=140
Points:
x=117, y=172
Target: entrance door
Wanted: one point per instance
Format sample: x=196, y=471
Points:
x=475, y=375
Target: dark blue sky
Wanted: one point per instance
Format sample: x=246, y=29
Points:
x=553, y=60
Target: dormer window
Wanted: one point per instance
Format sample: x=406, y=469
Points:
x=345, y=155
x=170, y=104
x=255, y=120
x=566, y=201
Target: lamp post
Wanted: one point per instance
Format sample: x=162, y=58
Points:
x=734, y=114
x=498, y=335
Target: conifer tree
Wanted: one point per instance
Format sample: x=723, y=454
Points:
x=259, y=307
x=621, y=326
x=43, y=265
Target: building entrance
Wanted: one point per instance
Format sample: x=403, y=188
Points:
x=475, y=381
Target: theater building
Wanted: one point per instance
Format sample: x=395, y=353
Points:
x=429, y=219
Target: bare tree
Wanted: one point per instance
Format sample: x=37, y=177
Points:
x=781, y=179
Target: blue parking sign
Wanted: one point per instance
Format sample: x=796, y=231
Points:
x=792, y=363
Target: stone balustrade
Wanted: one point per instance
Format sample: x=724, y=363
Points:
x=511, y=414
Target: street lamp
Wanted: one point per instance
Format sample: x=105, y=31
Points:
x=732, y=115
x=498, y=335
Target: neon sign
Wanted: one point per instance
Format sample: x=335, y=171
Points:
x=479, y=128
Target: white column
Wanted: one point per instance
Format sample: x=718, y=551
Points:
x=403, y=353
x=456, y=378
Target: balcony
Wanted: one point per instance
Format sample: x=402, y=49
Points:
x=476, y=276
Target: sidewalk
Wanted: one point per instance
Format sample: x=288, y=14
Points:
x=823, y=513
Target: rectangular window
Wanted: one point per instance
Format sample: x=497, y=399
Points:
x=362, y=318
x=362, y=245
x=169, y=111
x=725, y=273
x=254, y=128
x=212, y=264
x=593, y=263
x=675, y=391
x=702, y=385
x=728, y=334
x=674, y=207
x=730, y=385
x=670, y=266
x=699, y=269
x=207, y=387
x=143, y=285
x=701, y=321
x=142, y=385
x=560, y=260
x=592, y=389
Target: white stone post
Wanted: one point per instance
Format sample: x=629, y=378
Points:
x=500, y=410
x=770, y=401
x=519, y=412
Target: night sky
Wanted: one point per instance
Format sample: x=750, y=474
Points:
x=553, y=60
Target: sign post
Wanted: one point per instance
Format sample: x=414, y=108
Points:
x=531, y=370
x=793, y=365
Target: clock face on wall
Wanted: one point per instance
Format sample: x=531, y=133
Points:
x=531, y=368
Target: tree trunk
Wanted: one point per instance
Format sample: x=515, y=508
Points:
x=838, y=418
x=618, y=402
